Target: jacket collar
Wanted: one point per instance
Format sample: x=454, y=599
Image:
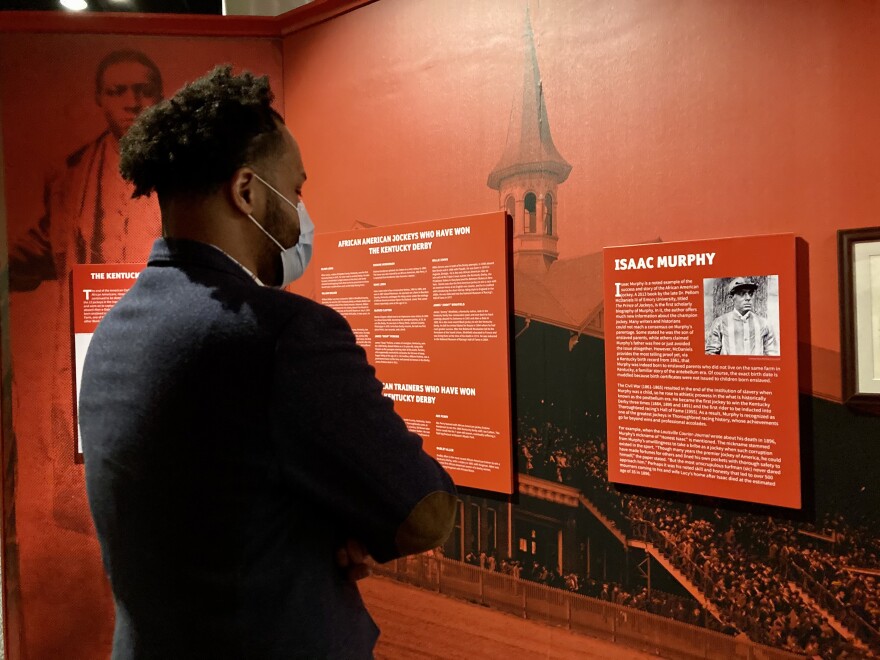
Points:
x=180, y=251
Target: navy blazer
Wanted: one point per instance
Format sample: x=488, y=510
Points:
x=234, y=437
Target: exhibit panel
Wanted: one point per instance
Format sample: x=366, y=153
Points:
x=428, y=301
x=702, y=367
x=94, y=290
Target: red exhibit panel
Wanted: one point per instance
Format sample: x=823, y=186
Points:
x=428, y=301
x=701, y=367
x=95, y=288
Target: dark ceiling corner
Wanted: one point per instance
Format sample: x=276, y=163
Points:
x=138, y=6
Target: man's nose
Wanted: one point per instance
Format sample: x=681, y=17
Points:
x=133, y=100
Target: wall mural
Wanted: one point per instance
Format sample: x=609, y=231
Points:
x=597, y=124
x=592, y=124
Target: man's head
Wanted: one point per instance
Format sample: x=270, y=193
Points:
x=218, y=149
x=126, y=82
x=742, y=291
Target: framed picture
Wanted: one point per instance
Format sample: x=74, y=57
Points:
x=859, y=268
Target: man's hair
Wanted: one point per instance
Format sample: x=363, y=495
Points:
x=193, y=142
x=119, y=56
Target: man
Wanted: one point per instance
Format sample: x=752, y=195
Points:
x=240, y=456
x=741, y=331
x=89, y=214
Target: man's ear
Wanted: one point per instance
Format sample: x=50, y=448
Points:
x=240, y=190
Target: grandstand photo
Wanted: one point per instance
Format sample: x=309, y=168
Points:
x=666, y=574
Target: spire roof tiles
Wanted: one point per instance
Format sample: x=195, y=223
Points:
x=529, y=145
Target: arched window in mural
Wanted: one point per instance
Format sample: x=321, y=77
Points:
x=474, y=544
x=510, y=206
x=455, y=543
x=548, y=214
x=491, y=531
x=531, y=208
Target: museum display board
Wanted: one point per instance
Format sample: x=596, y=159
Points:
x=428, y=301
x=95, y=288
x=701, y=367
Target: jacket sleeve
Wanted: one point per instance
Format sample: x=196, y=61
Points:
x=771, y=346
x=713, y=339
x=30, y=256
x=343, y=446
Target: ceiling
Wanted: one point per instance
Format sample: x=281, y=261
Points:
x=232, y=7
x=140, y=6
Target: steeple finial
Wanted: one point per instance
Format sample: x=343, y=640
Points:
x=529, y=145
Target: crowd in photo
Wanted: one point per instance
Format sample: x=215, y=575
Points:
x=842, y=559
x=749, y=593
x=847, y=585
x=680, y=608
x=746, y=565
x=553, y=453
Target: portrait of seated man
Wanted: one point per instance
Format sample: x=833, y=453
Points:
x=741, y=331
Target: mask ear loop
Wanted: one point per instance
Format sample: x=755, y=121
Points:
x=272, y=188
x=263, y=229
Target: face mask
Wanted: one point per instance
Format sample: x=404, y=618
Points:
x=295, y=258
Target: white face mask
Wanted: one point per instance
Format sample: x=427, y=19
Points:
x=295, y=258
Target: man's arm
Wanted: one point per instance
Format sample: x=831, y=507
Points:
x=30, y=256
x=343, y=445
x=771, y=346
x=713, y=339
x=428, y=524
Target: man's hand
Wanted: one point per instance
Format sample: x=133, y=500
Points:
x=353, y=559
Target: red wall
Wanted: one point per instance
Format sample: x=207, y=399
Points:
x=681, y=120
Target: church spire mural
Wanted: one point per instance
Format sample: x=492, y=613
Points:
x=530, y=170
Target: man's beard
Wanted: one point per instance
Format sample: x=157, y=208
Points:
x=278, y=224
